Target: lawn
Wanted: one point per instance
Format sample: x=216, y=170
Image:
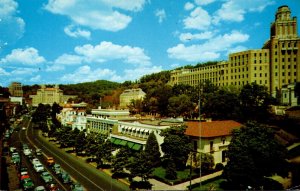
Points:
x=181, y=175
x=211, y=185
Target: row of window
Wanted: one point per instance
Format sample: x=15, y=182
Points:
x=288, y=66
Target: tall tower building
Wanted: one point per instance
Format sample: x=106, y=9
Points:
x=284, y=45
x=15, y=89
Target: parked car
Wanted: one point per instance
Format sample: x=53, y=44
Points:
x=12, y=149
x=27, y=184
x=38, y=167
x=23, y=171
x=35, y=160
x=77, y=187
x=16, y=158
x=27, y=152
x=65, y=177
x=24, y=176
x=38, y=152
x=56, y=168
x=40, y=188
x=46, y=177
x=50, y=161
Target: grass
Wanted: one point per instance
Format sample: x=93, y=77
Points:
x=181, y=175
x=213, y=185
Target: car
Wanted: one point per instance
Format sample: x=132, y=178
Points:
x=38, y=152
x=27, y=184
x=23, y=171
x=23, y=128
x=24, y=177
x=40, y=188
x=52, y=187
x=65, y=177
x=46, y=177
x=56, y=168
x=16, y=158
x=77, y=187
x=38, y=167
x=12, y=149
x=27, y=152
x=50, y=161
x=35, y=160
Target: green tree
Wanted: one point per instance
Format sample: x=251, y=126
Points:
x=255, y=102
x=121, y=160
x=180, y=106
x=152, y=150
x=221, y=105
x=171, y=173
x=176, y=145
x=204, y=161
x=141, y=166
x=253, y=154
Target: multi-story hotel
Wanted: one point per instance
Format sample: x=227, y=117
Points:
x=49, y=96
x=15, y=89
x=274, y=66
x=130, y=94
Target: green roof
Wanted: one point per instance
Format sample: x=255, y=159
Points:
x=123, y=143
x=130, y=144
x=137, y=147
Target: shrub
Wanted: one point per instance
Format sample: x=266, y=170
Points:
x=140, y=185
x=219, y=166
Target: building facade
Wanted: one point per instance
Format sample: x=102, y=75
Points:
x=274, y=66
x=15, y=89
x=130, y=94
x=212, y=137
x=49, y=96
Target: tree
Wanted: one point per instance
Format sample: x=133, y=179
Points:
x=171, y=173
x=180, y=106
x=207, y=161
x=255, y=102
x=221, y=105
x=121, y=160
x=152, y=150
x=176, y=145
x=254, y=154
x=141, y=166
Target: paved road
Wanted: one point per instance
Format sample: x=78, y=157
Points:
x=91, y=178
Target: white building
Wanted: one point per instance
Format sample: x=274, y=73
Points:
x=131, y=94
x=288, y=96
x=212, y=137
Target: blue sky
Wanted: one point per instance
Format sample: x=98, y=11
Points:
x=73, y=41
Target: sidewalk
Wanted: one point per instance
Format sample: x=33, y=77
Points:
x=183, y=186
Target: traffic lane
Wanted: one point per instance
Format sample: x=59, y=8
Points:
x=87, y=175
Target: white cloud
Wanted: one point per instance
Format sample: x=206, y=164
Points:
x=12, y=27
x=69, y=30
x=204, y=2
x=198, y=19
x=137, y=73
x=55, y=68
x=108, y=51
x=161, y=14
x=210, y=50
x=35, y=78
x=24, y=71
x=96, y=14
x=68, y=59
x=185, y=37
x=7, y=8
x=236, y=49
x=189, y=6
x=87, y=74
x=3, y=72
x=28, y=56
x=234, y=10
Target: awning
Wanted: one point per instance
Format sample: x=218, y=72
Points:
x=137, y=147
x=123, y=143
x=129, y=128
x=142, y=130
x=112, y=139
x=146, y=130
x=130, y=144
x=117, y=141
x=133, y=129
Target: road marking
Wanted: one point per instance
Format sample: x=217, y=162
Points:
x=69, y=165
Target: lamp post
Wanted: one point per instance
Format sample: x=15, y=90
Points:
x=195, y=151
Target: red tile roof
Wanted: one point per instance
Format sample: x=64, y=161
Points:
x=211, y=129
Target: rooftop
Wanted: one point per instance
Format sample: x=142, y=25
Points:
x=211, y=129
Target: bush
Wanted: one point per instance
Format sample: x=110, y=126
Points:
x=140, y=185
x=219, y=166
x=120, y=175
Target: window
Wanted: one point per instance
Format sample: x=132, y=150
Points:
x=275, y=52
x=282, y=66
x=275, y=59
x=282, y=59
x=282, y=73
x=211, y=144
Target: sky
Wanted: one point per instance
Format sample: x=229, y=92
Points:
x=74, y=41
